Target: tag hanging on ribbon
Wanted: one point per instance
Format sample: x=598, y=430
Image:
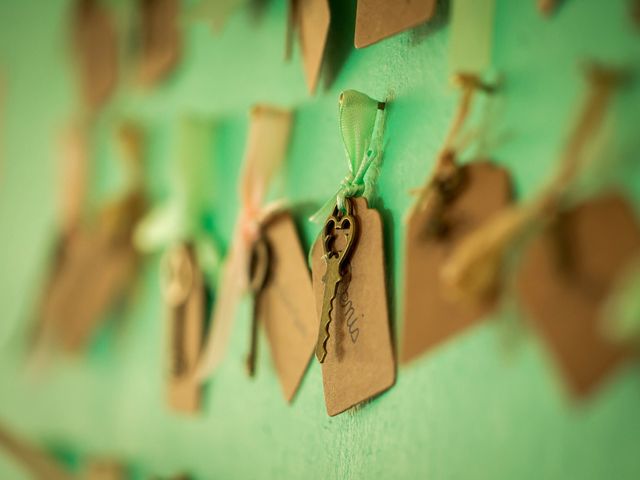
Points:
x=96, y=261
x=354, y=340
x=267, y=143
x=190, y=261
x=476, y=266
x=430, y=315
x=456, y=200
x=566, y=274
x=359, y=362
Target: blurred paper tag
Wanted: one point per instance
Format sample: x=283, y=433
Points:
x=36, y=462
x=360, y=363
x=161, y=39
x=93, y=268
x=96, y=45
x=379, y=19
x=286, y=304
x=313, y=17
x=567, y=273
x=430, y=316
x=471, y=36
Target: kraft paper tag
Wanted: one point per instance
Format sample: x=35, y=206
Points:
x=96, y=48
x=286, y=304
x=184, y=294
x=94, y=266
x=360, y=363
x=431, y=316
x=161, y=39
x=313, y=18
x=471, y=36
x=37, y=462
x=565, y=276
x=379, y=19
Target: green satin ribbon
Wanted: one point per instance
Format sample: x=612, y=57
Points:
x=183, y=217
x=362, y=129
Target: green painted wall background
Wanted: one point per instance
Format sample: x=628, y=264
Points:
x=488, y=405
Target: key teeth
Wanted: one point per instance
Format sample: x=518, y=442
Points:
x=321, y=354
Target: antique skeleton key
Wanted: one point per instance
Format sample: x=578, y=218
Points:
x=336, y=261
x=258, y=273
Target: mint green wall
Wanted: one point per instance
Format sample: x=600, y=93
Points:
x=487, y=405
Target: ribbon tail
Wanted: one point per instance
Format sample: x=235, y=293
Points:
x=223, y=316
x=325, y=210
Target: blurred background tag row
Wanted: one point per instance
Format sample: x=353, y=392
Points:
x=94, y=100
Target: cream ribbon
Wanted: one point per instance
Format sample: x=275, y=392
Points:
x=266, y=148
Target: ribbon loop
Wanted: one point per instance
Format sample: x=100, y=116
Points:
x=361, y=121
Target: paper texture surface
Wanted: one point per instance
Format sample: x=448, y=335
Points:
x=286, y=305
x=431, y=316
x=313, y=27
x=360, y=362
x=566, y=274
x=379, y=19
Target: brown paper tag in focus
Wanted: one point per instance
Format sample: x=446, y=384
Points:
x=379, y=19
x=161, y=39
x=313, y=17
x=286, y=304
x=96, y=45
x=430, y=315
x=184, y=294
x=359, y=363
x=566, y=273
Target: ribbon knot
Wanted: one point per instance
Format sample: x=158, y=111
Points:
x=362, y=128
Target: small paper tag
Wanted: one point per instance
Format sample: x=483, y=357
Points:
x=379, y=19
x=471, y=36
x=94, y=267
x=565, y=276
x=284, y=304
x=430, y=315
x=161, y=41
x=185, y=298
x=97, y=51
x=313, y=17
x=359, y=363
